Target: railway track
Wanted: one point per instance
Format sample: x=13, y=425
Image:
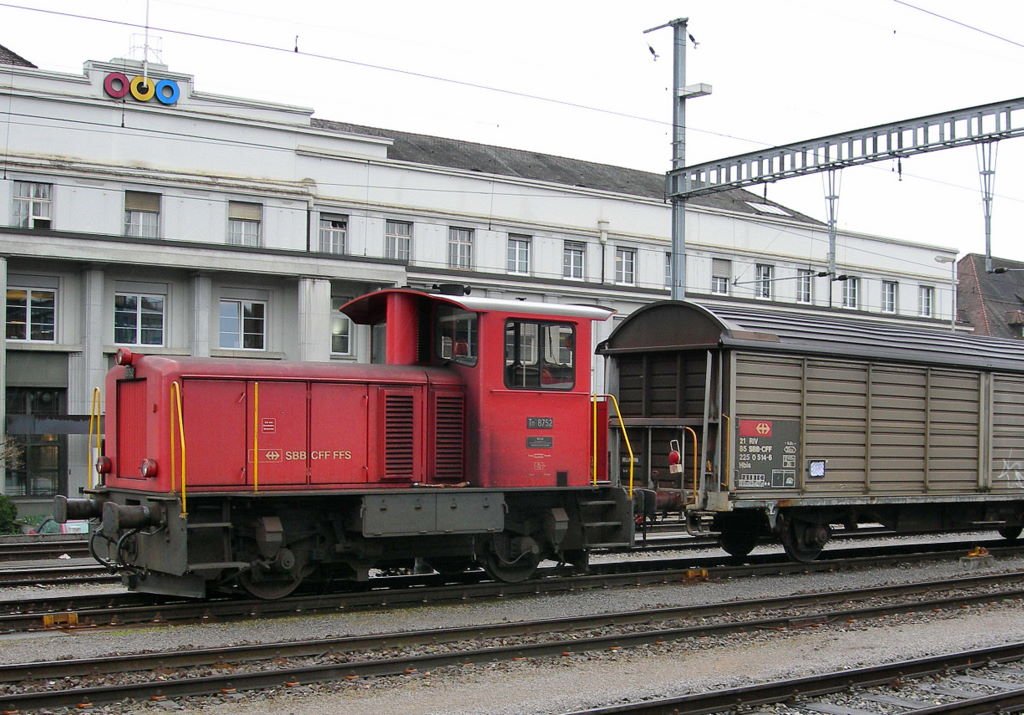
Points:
x=56, y=575
x=41, y=547
x=228, y=670
x=82, y=611
x=987, y=680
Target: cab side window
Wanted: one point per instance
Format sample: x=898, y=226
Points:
x=457, y=335
x=540, y=356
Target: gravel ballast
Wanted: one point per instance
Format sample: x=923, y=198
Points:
x=557, y=685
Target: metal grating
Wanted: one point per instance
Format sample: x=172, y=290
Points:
x=399, y=431
x=449, y=415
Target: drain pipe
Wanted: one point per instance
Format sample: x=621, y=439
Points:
x=602, y=228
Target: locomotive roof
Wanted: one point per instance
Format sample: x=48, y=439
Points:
x=371, y=308
x=683, y=325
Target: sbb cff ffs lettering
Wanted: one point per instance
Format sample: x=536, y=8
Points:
x=318, y=455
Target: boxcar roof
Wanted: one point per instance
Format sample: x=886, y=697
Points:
x=682, y=325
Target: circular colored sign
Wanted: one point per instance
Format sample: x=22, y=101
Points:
x=142, y=89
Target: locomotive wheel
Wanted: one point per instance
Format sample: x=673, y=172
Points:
x=1010, y=533
x=511, y=572
x=269, y=589
x=512, y=558
x=803, y=540
x=738, y=542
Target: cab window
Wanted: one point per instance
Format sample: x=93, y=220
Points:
x=540, y=356
x=457, y=335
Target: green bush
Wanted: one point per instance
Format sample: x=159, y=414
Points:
x=8, y=513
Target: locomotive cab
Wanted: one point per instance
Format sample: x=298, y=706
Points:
x=527, y=381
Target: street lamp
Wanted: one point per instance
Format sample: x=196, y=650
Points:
x=951, y=260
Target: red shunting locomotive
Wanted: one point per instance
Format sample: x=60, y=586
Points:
x=477, y=441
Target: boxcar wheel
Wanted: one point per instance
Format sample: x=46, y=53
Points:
x=1010, y=533
x=738, y=542
x=803, y=540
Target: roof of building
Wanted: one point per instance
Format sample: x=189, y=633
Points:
x=9, y=57
x=519, y=163
x=683, y=325
x=991, y=302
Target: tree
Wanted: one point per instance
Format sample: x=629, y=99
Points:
x=11, y=453
x=8, y=514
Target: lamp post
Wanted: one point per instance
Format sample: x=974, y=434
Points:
x=951, y=260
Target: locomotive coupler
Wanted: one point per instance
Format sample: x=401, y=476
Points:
x=65, y=508
x=118, y=517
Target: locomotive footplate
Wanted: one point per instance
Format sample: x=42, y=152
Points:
x=384, y=515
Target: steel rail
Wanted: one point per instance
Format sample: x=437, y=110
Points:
x=406, y=664
x=73, y=574
x=30, y=550
x=826, y=683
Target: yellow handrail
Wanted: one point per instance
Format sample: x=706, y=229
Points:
x=728, y=455
x=696, y=463
x=256, y=437
x=94, y=428
x=180, y=424
x=625, y=436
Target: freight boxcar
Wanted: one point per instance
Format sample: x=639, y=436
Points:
x=768, y=422
x=474, y=442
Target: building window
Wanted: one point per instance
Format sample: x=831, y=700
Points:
x=398, y=240
x=763, y=282
x=851, y=291
x=668, y=270
x=625, y=266
x=460, y=248
x=926, y=302
x=243, y=324
x=33, y=205
x=141, y=214
x=41, y=470
x=244, y=223
x=32, y=314
x=804, y=286
x=138, y=319
x=573, y=255
x=890, y=296
x=721, y=275
x=341, y=329
x=519, y=254
x=333, y=234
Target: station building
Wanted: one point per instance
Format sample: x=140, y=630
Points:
x=150, y=214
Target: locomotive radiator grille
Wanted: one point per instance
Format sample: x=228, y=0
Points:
x=399, y=440
x=449, y=420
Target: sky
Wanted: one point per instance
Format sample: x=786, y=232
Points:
x=582, y=79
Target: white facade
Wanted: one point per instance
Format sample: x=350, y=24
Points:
x=222, y=171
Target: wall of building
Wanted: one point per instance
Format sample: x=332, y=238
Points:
x=208, y=151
